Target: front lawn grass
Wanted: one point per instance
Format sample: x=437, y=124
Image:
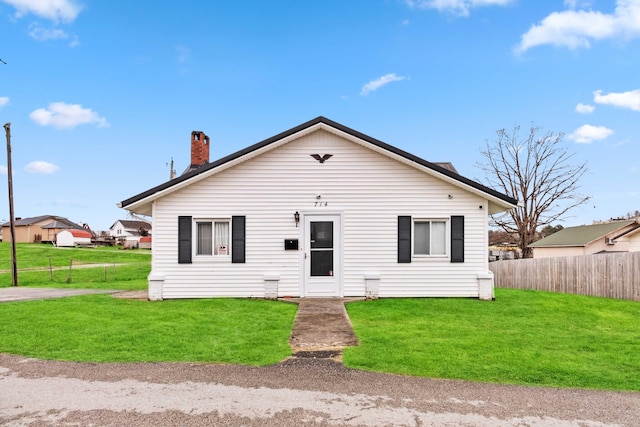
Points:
x=100, y=328
x=42, y=265
x=523, y=337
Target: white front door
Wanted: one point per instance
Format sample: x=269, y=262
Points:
x=322, y=245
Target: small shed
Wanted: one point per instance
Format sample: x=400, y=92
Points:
x=73, y=237
x=145, y=242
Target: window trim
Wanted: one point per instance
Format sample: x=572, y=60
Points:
x=212, y=256
x=446, y=237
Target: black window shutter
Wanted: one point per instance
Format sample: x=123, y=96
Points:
x=457, y=239
x=404, y=239
x=238, y=239
x=184, y=239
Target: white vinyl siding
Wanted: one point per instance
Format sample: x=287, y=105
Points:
x=368, y=189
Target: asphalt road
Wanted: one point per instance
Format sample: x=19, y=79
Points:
x=308, y=392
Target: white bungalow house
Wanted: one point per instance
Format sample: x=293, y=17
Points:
x=320, y=210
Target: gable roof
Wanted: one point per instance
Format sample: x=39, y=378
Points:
x=57, y=222
x=631, y=232
x=130, y=224
x=581, y=235
x=320, y=122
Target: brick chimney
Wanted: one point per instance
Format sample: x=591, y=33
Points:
x=199, y=148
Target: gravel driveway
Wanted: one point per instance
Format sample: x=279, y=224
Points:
x=310, y=392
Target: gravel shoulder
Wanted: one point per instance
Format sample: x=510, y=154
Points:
x=297, y=391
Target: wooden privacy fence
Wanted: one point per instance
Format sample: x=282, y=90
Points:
x=614, y=275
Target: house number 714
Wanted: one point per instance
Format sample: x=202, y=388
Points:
x=321, y=204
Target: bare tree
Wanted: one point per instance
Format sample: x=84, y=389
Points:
x=537, y=170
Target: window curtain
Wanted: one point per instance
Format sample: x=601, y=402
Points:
x=204, y=238
x=221, y=238
x=421, y=234
x=438, y=238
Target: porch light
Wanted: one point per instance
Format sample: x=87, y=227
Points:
x=296, y=217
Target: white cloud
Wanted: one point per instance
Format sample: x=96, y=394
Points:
x=376, y=84
x=577, y=28
x=586, y=134
x=577, y=3
x=629, y=99
x=43, y=34
x=62, y=115
x=54, y=10
x=4, y=100
x=39, y=166
x=457, y=7
x=3, y=170
x=585, y=108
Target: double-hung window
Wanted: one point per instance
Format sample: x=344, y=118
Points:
x=429, y=237
x=212, y=237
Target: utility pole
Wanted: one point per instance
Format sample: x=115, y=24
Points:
x=172, y=171
x=12, y=219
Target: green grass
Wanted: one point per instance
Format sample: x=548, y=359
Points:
x=100, y=328
x=524, y=337
x=41, y=265
x=31, y=255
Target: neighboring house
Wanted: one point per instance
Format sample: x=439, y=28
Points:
x=617, y=236
x=72, y=237
x=42, y=228
x=319, y=210
x=128, y=232
x=632, y=238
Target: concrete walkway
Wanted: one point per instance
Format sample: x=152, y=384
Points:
x=322, y=328
x=20, y=293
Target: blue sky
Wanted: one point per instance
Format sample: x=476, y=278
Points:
x=101, y=95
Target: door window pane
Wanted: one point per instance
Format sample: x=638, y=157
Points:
x=321, y=234
x=322, y=263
